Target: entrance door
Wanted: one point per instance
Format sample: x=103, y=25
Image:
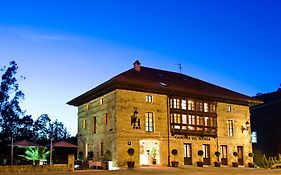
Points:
x=187, y=154
x=223, y=154
x=240, y=155
x=149, y=151
x=206, y=155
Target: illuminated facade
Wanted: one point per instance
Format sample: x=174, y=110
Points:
x=155, y=111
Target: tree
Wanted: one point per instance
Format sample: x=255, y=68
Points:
x=36, y=153
x=10, y=97
x=26, y=127
x=59, y=132
x=42, y=128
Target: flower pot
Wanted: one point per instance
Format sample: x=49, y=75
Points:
x=175, y=164
x=199, y=164
x=131, y=164
x=217, y=164
x=251, y=165
x=235, y=164
x=153, y=161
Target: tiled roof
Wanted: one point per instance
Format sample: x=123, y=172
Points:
x=164, y=82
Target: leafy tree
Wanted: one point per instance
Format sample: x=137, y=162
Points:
x=42, y=128
x=26, y=127
x=36, y=153
x=10, y=97
x=59, y=132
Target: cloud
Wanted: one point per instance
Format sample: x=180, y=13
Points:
x=33, y=35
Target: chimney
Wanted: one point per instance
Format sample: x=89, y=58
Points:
x=137, y=66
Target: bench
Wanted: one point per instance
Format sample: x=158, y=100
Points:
x=95, y=164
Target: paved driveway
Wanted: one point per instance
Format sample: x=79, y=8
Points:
x=171, y=171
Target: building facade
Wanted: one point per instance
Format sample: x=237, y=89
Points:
x=155, y=111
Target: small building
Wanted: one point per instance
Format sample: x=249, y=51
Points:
x=266, y=124
x=155, y=111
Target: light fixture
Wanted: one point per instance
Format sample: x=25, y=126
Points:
x=246, y=127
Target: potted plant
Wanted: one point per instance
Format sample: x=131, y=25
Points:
x=107, y=160
x=131, y=164
x=217, y=163
x=235, y=164
x=153, y=154
x=175, y=153
x=200, y=162
x=251, y=164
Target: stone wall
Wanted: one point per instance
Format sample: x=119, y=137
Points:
x=32, y=168
x=105, y=136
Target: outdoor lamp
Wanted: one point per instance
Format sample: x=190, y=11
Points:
x=246, y=127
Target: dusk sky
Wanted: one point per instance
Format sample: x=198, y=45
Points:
x=65, y=48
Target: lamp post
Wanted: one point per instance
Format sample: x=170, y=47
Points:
x=51, y=145
x=12, y=151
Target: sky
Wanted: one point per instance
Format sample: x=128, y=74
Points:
x=66, y=47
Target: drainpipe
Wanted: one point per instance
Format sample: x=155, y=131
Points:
x=168, y=131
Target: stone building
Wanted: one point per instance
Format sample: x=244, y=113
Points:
x=155, y=111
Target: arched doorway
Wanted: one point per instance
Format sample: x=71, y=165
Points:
x=149, y=152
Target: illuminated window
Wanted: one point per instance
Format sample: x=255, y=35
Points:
x=206, y=107
x=206, y=151
x=207, y=121
x=101, y=101
x=212, y=107
x=190, y=105
x=148, y=98
x=230, y=128
x=229, y=108
x=106, y=119
x=183, y=104
x=149, y=122
x=191, y=119
x=84, y=123
x=184, y=119
x=176, y=103
x=199, y=106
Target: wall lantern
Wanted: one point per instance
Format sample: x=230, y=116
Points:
x=135, y=121
x=246, y=127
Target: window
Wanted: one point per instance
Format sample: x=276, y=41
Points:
x=229, y=108
x=223, y=151
x=206, y=107
x=206, y=121
x=101, y=101
x=230, y=128
x=183, y=121
x=84, y=123
x=101, y=148
x=176, y=103
x=212, y=107
x=105, y=118
x=206, y=151
x=187, y=150
x=254, y=137
x=199, y=106
x=183, y=104
x=191, y=121
x=149, y=122
x=148, y=98
x=200, y=120
x=95, y=125
x=190, y=105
